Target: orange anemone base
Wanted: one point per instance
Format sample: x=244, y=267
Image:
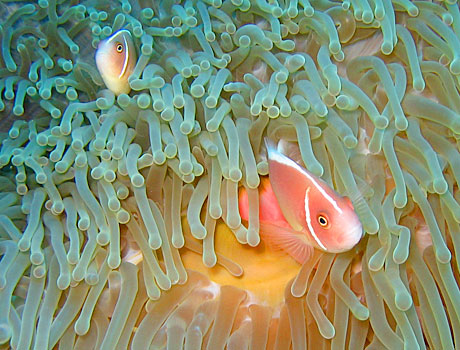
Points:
x=266, y=272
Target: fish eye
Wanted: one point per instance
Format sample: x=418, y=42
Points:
x=119, y=48
x=323, y=221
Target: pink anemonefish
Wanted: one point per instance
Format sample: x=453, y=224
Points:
x=115, y=60
x=299, y=211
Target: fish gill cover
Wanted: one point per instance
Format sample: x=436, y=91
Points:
x=368, y=89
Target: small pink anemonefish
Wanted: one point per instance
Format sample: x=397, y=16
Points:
x=115, y=60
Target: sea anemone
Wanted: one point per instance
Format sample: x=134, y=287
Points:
x=119, y=221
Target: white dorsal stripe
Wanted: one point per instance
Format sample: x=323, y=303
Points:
x=281, y=158
x=116, y=34
x=125, y=63
x=308, y=219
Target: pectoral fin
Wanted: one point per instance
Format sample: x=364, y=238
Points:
x=284, y=238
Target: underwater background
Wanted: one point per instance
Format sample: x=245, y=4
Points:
x=119, y=221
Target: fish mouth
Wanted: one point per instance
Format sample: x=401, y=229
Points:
x=352, y=238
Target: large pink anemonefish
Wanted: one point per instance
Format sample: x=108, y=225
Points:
x=299, y=211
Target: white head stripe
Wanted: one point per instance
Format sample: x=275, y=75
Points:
x=308, y=219
x=281, y=158
x=125, y=63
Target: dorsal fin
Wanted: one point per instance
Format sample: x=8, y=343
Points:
x=290, y=150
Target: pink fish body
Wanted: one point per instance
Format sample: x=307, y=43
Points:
x=299, y=211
